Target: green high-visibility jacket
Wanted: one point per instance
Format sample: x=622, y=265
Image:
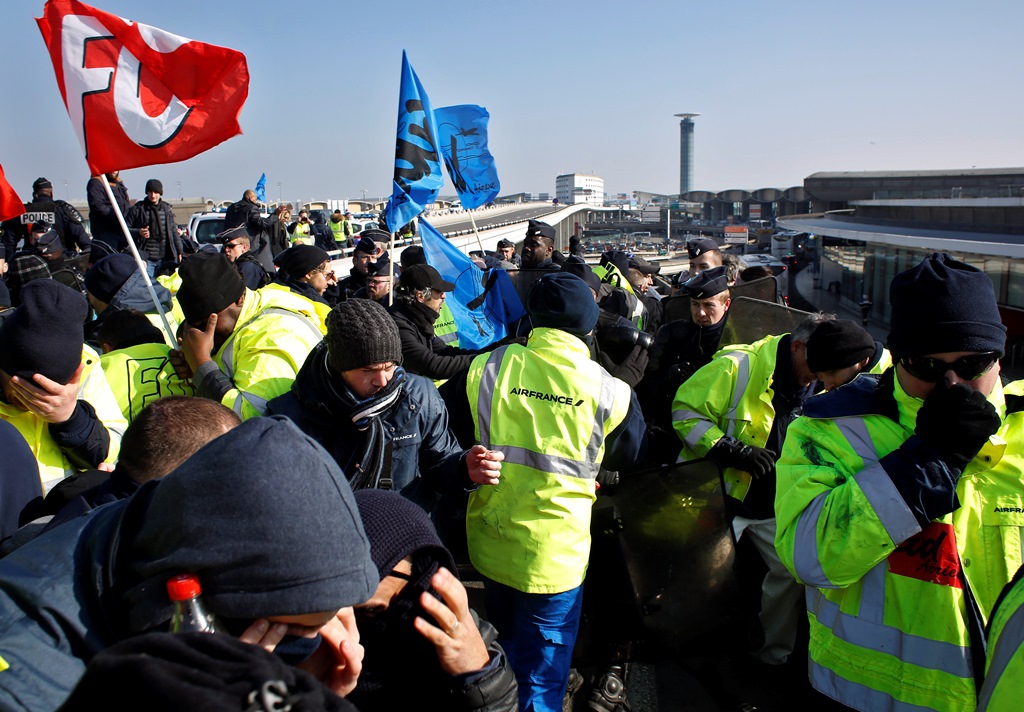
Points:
x=731, y=395
x=548, y=408
x=889, y=615
x=141, y=374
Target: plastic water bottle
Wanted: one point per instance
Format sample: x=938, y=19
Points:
x=190, y=613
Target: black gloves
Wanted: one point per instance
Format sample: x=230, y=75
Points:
x=956, y=422
x=730, y=452
x=952, y=426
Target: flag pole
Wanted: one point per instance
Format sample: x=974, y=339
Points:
x=476, y=232
x=138, y=260
x=391, y=271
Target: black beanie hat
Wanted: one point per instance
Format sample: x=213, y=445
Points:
x=265, y=518
x=563, y=301
x=45, y=333
x=838, y=343
x=40, y=184
x=943, y=305
x=209, y=283
x=397, y=528
x=360, y=332
x=166, y=672
x=107, y=276
x=154, y=186
x=412, y=255
x=299, y=260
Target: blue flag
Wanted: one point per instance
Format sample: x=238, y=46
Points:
x=418, y=174
x=483, y=303
x=462, y=135
x=261, y=188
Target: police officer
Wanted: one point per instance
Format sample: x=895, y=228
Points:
x=557, y=417
x=736, y=410
x=58, y=214
x=679, y=349
x=899, y=502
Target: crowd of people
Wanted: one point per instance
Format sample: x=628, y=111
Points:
x=327, y=459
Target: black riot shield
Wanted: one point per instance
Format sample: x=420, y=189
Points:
x=661, y=565
x=749, y=320
x=765, y=289
x=675, y=308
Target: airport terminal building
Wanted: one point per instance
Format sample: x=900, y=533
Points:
x=869, y=226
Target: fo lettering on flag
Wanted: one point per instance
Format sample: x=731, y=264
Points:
x=418, y=174
x=10, y=204
x=138, y=95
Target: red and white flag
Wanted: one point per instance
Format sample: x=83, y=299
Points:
x=10, y=204
x=138, y=95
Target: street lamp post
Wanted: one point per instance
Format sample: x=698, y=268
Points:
x=279, y=198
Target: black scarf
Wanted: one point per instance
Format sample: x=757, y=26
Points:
x=371, y=468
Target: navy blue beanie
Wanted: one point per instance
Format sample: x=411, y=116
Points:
x=397, y=528
x=108, y=275
x=561, y=300
x=45, y=334
x=943, y=305
x=265, y=518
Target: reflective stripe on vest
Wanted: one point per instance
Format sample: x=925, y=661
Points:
x=886, y=501
x=227, y=356
x=742, y=381
x=537, y=460
x=697, y=431
x=1007, y=643
x=867, y=631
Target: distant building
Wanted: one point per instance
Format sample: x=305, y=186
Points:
x=579, y=188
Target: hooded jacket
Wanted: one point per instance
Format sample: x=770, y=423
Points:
x=134, y=295
x=262, y=515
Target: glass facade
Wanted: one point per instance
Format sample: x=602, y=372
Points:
x=868, y=268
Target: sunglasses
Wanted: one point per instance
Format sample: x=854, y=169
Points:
x=933, y=370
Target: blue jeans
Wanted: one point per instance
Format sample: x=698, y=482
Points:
x=538, y=633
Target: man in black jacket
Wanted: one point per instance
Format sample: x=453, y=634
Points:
x=102, y=218
x=158, y=239
x=386, y=428
x=246, y=212
x=680, y=348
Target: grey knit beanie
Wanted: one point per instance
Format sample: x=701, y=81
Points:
x=360, y=332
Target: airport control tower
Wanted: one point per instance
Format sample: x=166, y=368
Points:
x=686, y=152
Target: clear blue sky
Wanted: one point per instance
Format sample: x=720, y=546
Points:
x=785, y=89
